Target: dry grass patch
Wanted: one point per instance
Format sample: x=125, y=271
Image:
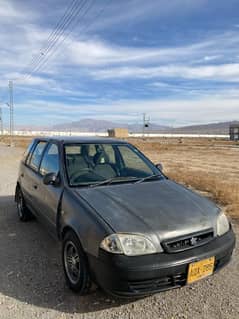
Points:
x=18, y=141
x=224, y=192
x=208, y=165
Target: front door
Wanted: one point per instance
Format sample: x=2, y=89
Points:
x=49, y=195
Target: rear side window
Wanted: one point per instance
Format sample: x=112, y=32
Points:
x=27, y=152
x=37, y=155
x=50, y=161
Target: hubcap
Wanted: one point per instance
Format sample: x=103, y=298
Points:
x=72, y=262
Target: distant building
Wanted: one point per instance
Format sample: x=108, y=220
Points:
x=118, y=132
x=234, y=132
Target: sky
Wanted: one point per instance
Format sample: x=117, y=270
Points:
x=177, y=61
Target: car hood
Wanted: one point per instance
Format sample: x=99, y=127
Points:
x=162, y=208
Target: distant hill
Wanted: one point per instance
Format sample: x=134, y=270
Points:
x=92, y=125
x=211, y=128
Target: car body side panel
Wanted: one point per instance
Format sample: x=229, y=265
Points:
x=49, y=202
x=29, y=182
x=77, y=214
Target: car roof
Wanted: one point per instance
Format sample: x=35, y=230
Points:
x=82, y=139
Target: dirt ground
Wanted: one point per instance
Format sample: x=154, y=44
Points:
x=31, y=277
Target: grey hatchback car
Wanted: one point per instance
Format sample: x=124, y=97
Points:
x=123, y=224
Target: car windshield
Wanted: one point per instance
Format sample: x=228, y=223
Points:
x=92, y=164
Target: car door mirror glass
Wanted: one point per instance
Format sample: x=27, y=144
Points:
x=51, y=179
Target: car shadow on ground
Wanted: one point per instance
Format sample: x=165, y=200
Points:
x=31, y=270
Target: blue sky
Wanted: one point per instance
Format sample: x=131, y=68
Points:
x=177, y=61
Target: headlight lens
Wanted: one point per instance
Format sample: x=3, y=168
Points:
x=222, y=224
x=128, y=244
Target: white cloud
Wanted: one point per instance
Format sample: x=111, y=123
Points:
x=224, y=72
x=174, y=112
x=119, y=12
x=87, y=58
x=212, y=57
x=9, y=11
x=97, y=52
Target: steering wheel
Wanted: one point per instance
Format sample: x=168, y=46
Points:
x=74, y=177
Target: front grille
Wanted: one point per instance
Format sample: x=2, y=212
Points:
x=159, y=284
x=187, y=242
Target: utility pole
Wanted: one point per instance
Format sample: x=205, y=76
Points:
x=11, y=111
x=1, y=121
x=145, y=122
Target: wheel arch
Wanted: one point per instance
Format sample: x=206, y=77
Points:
x=69, y=228
x=66, y=229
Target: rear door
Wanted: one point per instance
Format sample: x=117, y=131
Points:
x=31, y=179
x=23, y=168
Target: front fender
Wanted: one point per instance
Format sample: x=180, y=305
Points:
x=75, y=213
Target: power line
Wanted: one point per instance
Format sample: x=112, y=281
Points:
x=60, y=34
x=52, y=36
x=50, y=48
x=61, y=41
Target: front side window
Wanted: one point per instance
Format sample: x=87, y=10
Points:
x=50, y=161
x=93, y=163
x=133, y=162
x=35, y=159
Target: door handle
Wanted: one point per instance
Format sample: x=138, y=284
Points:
x=22, y=175
x=35, y=186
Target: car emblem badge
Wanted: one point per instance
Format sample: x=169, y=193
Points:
x=193, y=241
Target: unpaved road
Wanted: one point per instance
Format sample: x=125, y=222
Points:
x=32, y=283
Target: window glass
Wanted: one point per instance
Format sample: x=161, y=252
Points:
x=50, y=161
x=91, y=150
x=110, y=152
x=73, y=149
x=36, y=155
x=133, y=161
x=99, y=162
x=28, y=151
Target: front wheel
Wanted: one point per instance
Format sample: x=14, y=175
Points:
x=75, y=264
x=23, y=212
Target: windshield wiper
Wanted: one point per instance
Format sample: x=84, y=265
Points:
x=112, y=179
x=148, y=178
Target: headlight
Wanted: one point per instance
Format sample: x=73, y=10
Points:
x=222, y=224
x=128, y=244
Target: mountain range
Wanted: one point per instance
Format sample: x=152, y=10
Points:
x=93, y=125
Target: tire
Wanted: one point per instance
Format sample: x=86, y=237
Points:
x=75, y=264
x=23, y=212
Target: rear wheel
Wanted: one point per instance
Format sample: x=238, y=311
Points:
x=75, y=264
x=23, y=212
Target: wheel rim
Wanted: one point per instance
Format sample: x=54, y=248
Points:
x=20, y=204
x=72, y=262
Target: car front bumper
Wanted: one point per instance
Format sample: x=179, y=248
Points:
x=143, y=275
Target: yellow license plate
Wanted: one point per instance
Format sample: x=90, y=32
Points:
x=200, y=269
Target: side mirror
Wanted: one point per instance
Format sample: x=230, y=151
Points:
x=51, y=179
x=159, y=166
